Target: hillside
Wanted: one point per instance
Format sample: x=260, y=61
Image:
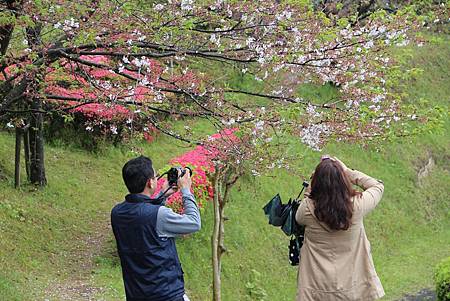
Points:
x=56, y=243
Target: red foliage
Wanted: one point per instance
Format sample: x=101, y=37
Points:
x=142, y=93
x=98, y=59
x=104, y=112
x=200, y=160
x=150, y=132
x=188, y=81
x=79, y=93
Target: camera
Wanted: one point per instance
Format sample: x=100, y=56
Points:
x=172, y=174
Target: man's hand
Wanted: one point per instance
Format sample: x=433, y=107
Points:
x=185, y=181
x=169, y=192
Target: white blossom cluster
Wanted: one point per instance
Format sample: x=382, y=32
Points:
x=229, y=122
x=158, y=7
x=121, y=68
x=140, y=37
x=113, y=129
x=216, y=5
x=187, y=5
x=312, y=135
x=215, y=39
x=259, y=126
x=141, y=63
x=284, y=15
x=311, y=110
x=104, y=84
x=67, y=25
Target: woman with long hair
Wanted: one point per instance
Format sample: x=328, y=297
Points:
x=335, y=260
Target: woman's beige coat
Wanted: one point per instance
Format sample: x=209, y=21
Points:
x=338, y=265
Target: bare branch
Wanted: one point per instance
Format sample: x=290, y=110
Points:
x=172, y=134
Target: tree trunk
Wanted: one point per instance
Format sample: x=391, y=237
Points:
x=215, y=239
x=37, y=167
x=221, y=179
x=221, y=232
x=5, y=37
x=14, y=6
x=19, y=133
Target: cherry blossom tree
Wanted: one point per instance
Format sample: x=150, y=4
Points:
x=159, y=59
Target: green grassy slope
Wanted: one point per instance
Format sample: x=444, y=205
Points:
x=42, y=232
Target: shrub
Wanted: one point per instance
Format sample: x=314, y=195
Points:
x=200, y=160
x=442, y=280
x=94, y=126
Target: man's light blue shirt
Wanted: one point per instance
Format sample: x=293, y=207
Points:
x=171, y=224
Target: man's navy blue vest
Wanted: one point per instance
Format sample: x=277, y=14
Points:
x=150, y=265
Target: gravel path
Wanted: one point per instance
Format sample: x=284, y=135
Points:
x=422, y=295
x=73, y=290
x=79, y=286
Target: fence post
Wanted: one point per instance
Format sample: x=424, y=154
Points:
x=17, y=159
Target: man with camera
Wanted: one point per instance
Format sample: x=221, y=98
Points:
x=145, y=232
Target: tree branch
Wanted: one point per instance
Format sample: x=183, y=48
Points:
x=171, y=134
x=14, y=95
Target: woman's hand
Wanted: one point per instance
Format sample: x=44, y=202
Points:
x=347, y=171
x=328, y=157
x=344, y=167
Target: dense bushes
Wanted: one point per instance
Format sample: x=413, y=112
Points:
x=96, y=125
x=442, y=279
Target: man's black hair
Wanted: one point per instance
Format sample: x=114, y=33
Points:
x=136, y=172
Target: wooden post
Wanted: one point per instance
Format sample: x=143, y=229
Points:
x=17, y=159
x=26, y=146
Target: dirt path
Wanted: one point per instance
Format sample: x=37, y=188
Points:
x=79, y=286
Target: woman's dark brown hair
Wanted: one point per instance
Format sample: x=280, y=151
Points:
x=332, y=191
